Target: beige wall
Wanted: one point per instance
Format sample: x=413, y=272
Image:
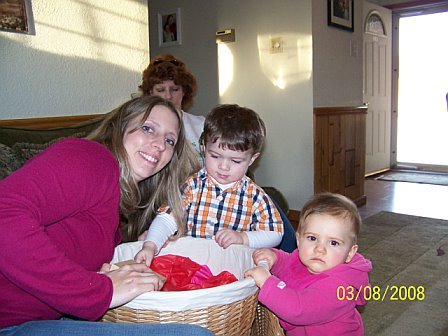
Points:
x=85, y=57
x=337, y=59
x=277, y=86
x=314, y=69
x=198, y=48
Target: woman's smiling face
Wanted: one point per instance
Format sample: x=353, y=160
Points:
x=151, y=147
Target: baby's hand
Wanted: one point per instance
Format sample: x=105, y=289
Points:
x=227, y=237
x=146, y=254
x=259, y=274
x=264, y=254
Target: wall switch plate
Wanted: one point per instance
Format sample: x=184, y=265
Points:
x=276, y=45
x=225, y=36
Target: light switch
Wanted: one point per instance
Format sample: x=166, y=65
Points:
x=225, y=36
x=276, y=45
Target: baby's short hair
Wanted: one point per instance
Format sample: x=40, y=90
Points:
x=334, y=205
x=236, y=128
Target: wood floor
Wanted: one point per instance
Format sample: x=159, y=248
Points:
x=417, y=199
x=426, y=200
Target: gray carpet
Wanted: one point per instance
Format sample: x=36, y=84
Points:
x=406, y=251
x=415, y=177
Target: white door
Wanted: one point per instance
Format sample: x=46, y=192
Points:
x=422, y=104
x=377, y=44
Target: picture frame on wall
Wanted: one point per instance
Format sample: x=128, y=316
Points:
x=169, y=27
x=15, y=16
x=341, y=14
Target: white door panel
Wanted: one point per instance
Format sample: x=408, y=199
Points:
x=377, y=86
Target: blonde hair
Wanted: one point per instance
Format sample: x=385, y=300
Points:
x=140, y=200
x=334, y=205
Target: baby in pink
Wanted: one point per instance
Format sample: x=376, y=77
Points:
x=315, y=289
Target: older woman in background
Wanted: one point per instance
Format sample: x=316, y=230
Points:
x=168, y=77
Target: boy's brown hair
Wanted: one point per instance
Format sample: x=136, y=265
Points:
x=334, y=205
x=236, y=128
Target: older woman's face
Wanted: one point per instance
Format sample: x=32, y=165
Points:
x=151, y=147
x=170, y=91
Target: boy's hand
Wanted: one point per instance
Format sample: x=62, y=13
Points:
x=264, y=254
x=146, y=254
x=259, y=274
x=227, y=237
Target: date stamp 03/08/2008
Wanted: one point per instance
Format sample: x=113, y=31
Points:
x=381, y=293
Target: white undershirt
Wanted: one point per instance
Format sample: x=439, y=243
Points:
x=164, y=226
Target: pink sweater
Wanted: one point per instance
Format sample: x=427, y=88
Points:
x=58, y=225
x=308, y=303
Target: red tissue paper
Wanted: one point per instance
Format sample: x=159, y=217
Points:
x=182, y=273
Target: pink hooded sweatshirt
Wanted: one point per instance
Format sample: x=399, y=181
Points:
x=308, y=304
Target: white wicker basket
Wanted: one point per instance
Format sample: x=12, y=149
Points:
x=226, y=310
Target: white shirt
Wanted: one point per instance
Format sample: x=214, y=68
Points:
x=194, y=125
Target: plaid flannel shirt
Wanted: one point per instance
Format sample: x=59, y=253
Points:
x=243, y=207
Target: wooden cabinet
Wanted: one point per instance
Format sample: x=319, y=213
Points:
x=339, y=151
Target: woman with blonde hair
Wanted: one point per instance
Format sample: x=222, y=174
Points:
x=139, y=201
x=60, y=224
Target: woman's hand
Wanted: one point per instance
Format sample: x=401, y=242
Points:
x=130, y=281
x=227, y=237
x=105, y=268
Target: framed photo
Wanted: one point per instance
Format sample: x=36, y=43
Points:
x=15, y=16
x=169, y=26
x=341, y=14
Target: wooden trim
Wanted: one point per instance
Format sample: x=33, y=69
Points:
x=377, y=172
x=416, y=4
x=321, y=111
x=48, y=122
x=360, y=201
x=339, y=151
